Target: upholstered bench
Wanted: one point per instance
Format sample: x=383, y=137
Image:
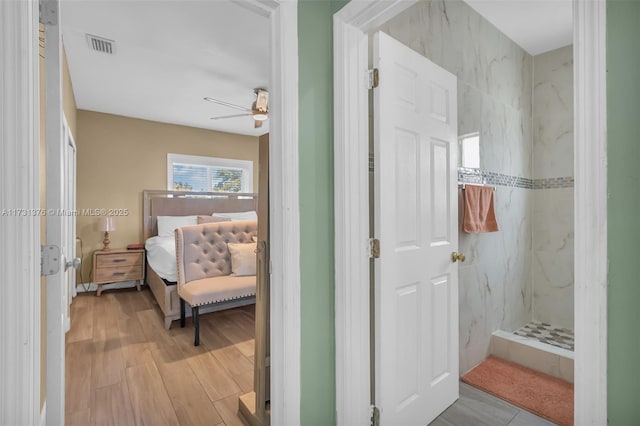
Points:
x=216, y=265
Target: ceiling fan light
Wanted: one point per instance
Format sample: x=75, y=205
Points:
x=260, y=116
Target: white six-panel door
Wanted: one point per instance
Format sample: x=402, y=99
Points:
x=416, y=282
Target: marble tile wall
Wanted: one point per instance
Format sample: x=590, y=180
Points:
x=552, y=267
x=553, y=114
x=495, y=78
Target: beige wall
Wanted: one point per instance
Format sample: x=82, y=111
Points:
x=119, y=157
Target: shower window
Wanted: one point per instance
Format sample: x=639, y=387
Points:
x=470, y=151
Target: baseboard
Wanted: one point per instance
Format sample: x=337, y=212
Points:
x=82, y=288
x=43, y=414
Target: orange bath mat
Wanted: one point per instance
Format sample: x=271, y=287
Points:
x=539, y=393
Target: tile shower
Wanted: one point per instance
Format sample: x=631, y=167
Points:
x=522, y=108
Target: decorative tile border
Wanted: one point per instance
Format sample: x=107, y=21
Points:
x=482, y=177
x=466, y=175
x=548, y=183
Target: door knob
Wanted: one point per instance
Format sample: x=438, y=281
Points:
x=74, y=263
x=457, y=256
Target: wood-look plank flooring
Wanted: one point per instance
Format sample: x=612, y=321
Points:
x=123, y=368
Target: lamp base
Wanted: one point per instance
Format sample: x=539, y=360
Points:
x=106, y=240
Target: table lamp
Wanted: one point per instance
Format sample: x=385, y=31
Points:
x=106, y=225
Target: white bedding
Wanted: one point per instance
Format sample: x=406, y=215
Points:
x=161, y=255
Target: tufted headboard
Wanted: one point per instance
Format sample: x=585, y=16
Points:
x=204, y=248
x=180, y=203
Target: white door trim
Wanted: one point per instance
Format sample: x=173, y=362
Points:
x=20, y=189
x=284, y=214
x=351, y=189
x=55, y=188
x=590, y=211
x=351, y=141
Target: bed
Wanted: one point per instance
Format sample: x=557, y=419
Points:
x=180, y=203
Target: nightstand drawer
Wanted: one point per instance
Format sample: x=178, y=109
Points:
x=121, y=273
x=119, y=259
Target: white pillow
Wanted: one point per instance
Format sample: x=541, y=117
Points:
x=243, y=259
x=168, y=224
x=234, y=217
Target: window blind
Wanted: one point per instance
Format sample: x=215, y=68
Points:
x=199, y=178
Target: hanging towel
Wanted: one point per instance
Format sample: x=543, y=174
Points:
x=479, y=215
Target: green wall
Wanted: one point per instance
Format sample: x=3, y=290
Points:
x=315, y=49
x=623, y=156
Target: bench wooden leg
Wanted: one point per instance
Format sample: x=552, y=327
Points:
x=182, y=313
x=195, y=314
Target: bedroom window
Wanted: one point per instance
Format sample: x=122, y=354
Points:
x=208, y=174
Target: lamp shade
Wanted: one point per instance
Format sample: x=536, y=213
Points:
x=106, y=224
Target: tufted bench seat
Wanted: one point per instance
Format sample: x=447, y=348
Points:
x=199, y=292
x=204, y=267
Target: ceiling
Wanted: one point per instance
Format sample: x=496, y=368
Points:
x=168, y=56
x=537, y=26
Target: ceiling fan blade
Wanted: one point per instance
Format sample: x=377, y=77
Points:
x=231, y=116
x=227, y=104
x=257, y=123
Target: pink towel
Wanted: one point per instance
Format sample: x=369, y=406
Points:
x=479, y=215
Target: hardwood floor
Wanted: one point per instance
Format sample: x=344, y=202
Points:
x=123, y=368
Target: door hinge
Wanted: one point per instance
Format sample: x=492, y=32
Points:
x=373, y=78
x=375, y=416
x=374, y=248
x=49, y=260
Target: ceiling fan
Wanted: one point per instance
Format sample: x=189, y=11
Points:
x=259, y=110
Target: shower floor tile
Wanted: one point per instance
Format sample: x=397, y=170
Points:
x=546, y=333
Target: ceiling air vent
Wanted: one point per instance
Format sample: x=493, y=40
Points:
x=102, y=45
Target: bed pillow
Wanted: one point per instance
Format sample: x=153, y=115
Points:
x=168, y=224
x=236, y=216
x=212, y=219
x=243, y=259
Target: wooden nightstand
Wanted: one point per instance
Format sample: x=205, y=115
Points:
x=117, y=265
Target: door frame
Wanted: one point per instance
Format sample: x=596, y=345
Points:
x=55, y=187
x=70, y=145
x=351, y=186
x=20, y=189
x=21, y=248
